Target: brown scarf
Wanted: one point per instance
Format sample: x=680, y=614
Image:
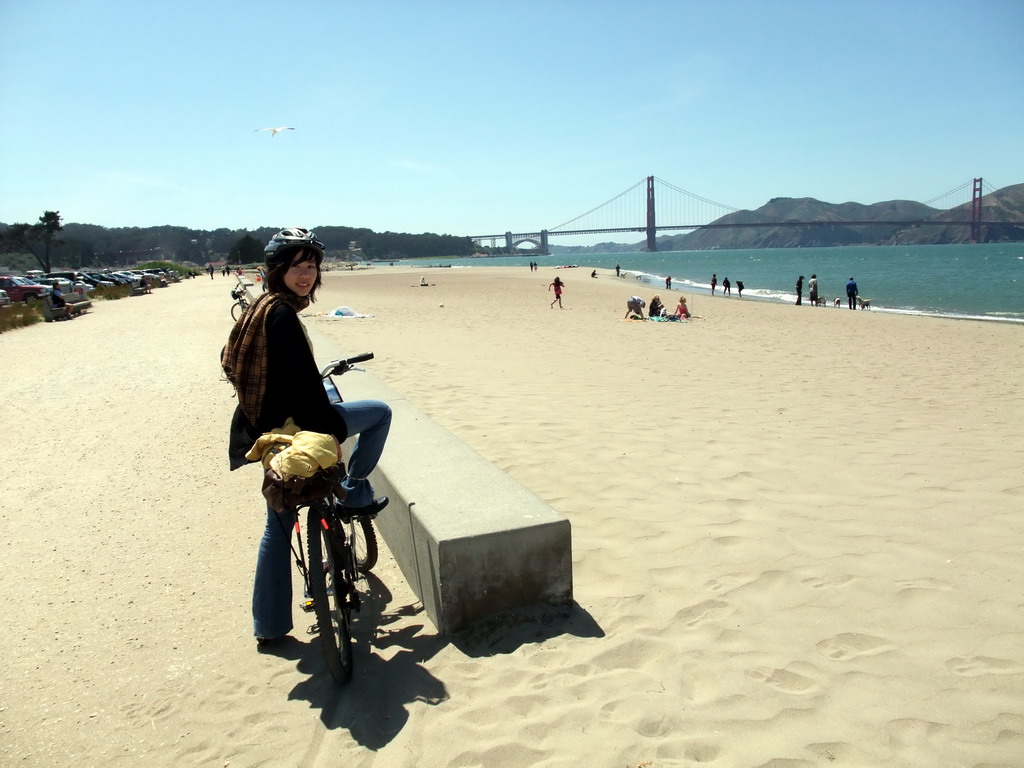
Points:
x=244, y=359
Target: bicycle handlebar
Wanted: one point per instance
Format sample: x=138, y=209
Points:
x=338, y=367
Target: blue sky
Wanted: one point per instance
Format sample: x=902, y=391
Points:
x=477, y=117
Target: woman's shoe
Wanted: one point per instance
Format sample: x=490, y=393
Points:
x=267, y=643
x=370, y=510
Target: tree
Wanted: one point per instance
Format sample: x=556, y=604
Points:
x=33, y=238
x=247, y=250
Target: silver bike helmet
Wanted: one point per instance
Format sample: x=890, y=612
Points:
x=293, y=237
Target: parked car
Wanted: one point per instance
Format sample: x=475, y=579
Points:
x=113, y=277
x=96, y=280
x=5, y=300
x=132, y=279
x=73, y=278
x=73, y=291
x=23, y=289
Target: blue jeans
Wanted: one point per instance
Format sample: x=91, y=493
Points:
x=272, y=589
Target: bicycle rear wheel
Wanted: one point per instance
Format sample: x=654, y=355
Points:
x=236, y=310
x=329, y=587
x=364, y=543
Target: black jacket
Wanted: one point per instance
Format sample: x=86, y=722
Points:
x=294, y=388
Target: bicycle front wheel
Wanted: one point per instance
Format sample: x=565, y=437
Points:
x=329, y=587
x=364, y=543
x=236, y=310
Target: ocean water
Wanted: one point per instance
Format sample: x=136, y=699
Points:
x=971, y=281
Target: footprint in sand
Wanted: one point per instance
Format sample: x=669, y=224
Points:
x=821, y=582
x=926, y=583
x=728, y=582
x=850, y=645
x=783, y=680
x=972, y=666
x=706, y=610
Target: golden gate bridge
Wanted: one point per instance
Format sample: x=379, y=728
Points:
x=637, y=204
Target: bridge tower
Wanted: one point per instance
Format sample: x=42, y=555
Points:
x=976, y=212
x=652, y=243
x=544, y=243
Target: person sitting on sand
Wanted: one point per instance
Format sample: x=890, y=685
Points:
x=269, y=362
x=683, y=311
x=594, y=273
x=635, y=305
x=657, y=308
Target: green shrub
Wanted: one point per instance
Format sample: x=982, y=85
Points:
x=110, y=292
x=20, y=314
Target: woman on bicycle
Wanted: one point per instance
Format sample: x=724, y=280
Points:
x=269, y=361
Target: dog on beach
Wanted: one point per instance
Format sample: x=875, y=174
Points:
x=863, y=303
x=820, y=301
x=837, y=302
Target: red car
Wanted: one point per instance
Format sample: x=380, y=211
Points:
x=22, y=289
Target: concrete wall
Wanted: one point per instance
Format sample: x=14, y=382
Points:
x=470, y=540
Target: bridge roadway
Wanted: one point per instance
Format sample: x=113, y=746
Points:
x=677, y=227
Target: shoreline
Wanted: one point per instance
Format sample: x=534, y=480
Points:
x=651, y=282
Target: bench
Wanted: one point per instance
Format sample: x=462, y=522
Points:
x=51, y=313
x=470, y=541
x=71, y=308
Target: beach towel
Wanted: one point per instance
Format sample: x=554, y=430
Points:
x=340, y=312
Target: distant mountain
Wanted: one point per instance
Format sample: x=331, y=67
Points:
x=1006, y=204
x=801, y=209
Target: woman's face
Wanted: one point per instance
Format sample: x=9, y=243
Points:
x=301, y=276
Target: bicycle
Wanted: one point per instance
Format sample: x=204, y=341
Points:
x=240, y=293
x=341, y=549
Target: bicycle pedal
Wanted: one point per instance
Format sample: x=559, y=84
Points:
x=307, y=606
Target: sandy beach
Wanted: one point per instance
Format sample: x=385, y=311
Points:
x=798, y=537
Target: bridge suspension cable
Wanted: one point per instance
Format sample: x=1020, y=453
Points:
x=673, y=187
x=618, y=197
x=960, y=195
x=945, y=196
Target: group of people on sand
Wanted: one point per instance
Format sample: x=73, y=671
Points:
x=816, y=300
x=635, y=308
x=726, y=286
x=634, y=305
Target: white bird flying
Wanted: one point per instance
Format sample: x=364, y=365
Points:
x=275, y=131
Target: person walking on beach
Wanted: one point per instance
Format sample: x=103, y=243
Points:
x=617, y=271
x=799, y=289
x=739, y=288
x=812, y=289
x=209, y=268
x=714, y=282
x=668, y=283
x=851, y=293
x=269, y=362
x=726, y=287
x=557, y=285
